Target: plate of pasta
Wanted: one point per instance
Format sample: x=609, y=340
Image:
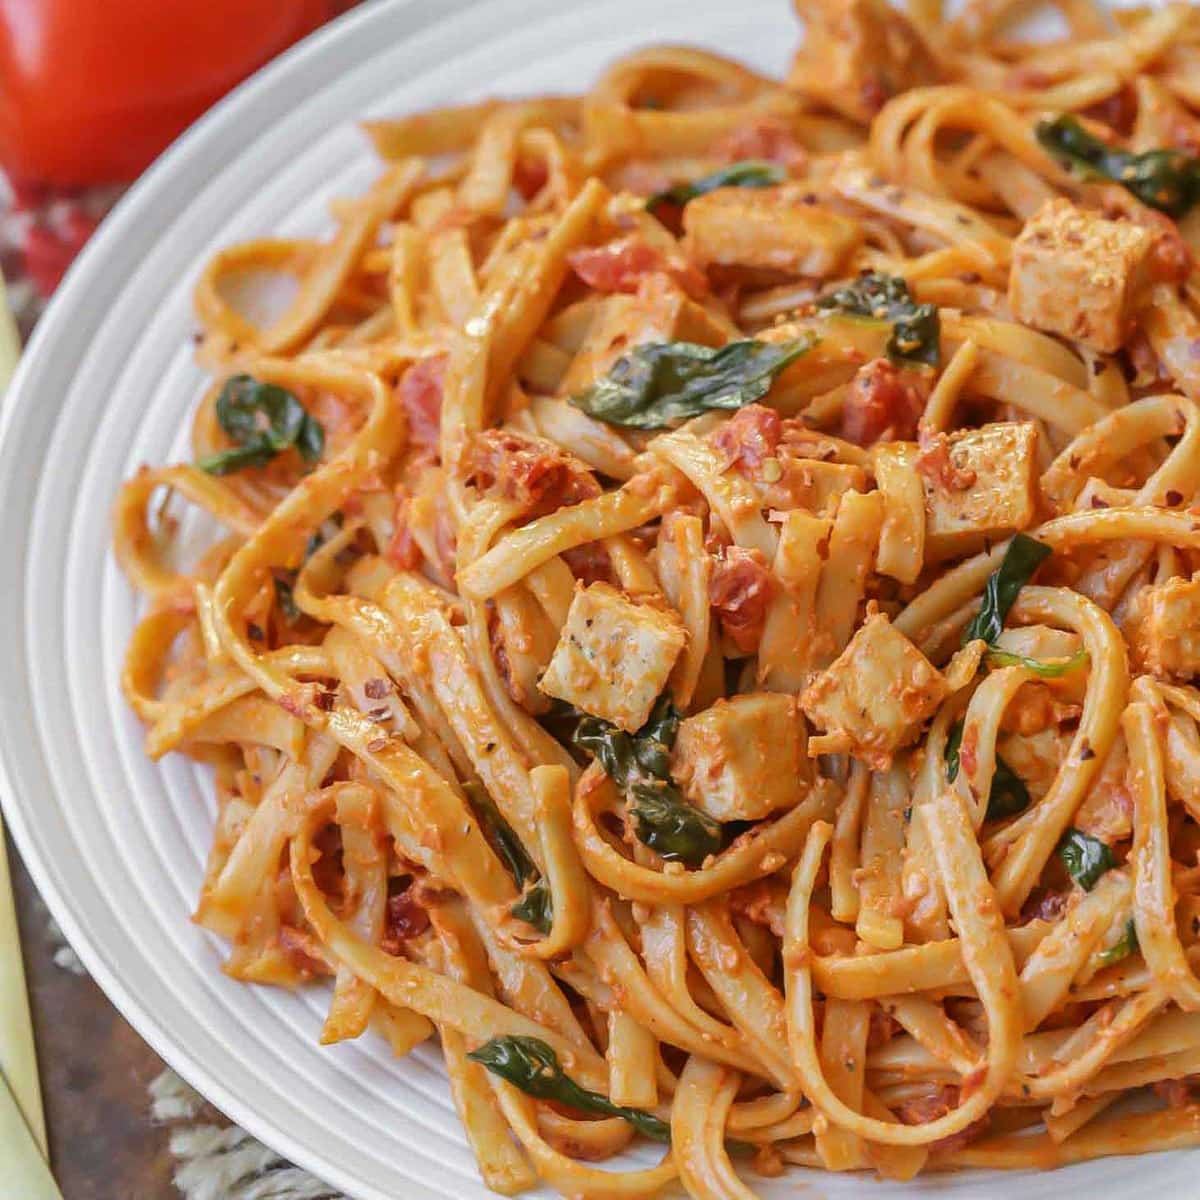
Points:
x=638, y=639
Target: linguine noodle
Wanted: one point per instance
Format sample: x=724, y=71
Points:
x=704, y=618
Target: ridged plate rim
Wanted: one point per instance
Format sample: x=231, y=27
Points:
x=65, y=737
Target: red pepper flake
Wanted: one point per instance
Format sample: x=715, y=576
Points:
x=1173, y=497
x=376, y=745
x=376, y=689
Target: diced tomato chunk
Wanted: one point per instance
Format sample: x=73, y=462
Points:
x=620, y=266
x=884, y=401
x=1117, y=111
x=405, y=918
x=536, y=472
x=617, y=266
x=767, y=138
x=402, y=550
x=1044, y=906
x=751, y=436
x=589, y=563
x=529, y=177
x=740, y=590
x=1176, y=1093
x=922, y=1109
x=420, y=393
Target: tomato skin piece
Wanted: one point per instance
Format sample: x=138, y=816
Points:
x=93, y=90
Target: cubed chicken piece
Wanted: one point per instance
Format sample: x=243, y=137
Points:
x=979, y=484
x=743, y=758
x=1165, y=635
x=874, y=696
x=769, y=229
x=1078, y=275
x=660, y=311
x=858, y=54
x=614, y=655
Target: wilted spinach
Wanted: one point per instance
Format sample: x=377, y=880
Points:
x=749, y=173
x=530, y=1064
x=263, y=419
x=536, y=905
x=659, y=384
x=1022, y=558
x=916, y=328
x=639, y=764
x=1086, y=858
x=1168, y=180
x=1008, y=795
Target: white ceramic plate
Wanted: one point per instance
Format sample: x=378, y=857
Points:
x=116, y=843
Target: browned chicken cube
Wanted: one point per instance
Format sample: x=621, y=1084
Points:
x=979, y=484
x=1078, y=275
x=858, y=54
x=614, y=655
x=769, y=229
x=743, y=758
x=875, y=695
x=1165, y=635
x=660, y=311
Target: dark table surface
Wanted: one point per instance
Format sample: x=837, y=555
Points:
x=95, y=1073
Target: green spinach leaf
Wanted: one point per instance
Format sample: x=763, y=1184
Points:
x=1041, y=667
x=536, y=906
x=1168, y=180
x=1085, y=857
x=530, y=1064
x=1008, y=795
x=263, y=420
x=659, y=384
x=749, y=173
x=284, y=596
x=1023, y=556
x=639, y=764
x=1123, y=947
x=916, y=328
